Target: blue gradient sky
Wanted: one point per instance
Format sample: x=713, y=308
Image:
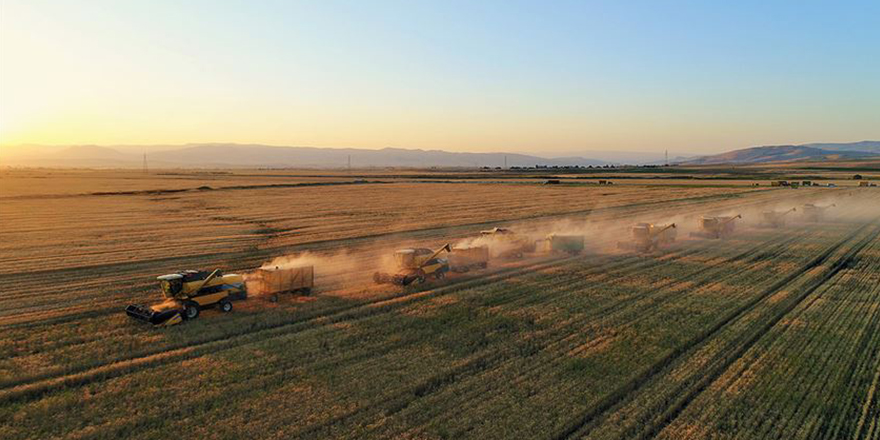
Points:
x=541, y=77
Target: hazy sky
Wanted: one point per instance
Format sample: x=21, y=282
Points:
x=538, y=76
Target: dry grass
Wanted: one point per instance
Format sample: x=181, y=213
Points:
x=603, y=342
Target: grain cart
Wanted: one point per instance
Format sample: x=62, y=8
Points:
x=774, y=219
x=466, y=259
x=415, y=266
x=716, y=227
x=272, y=282
x=506, y=244
x=187, y=292
x=647, y=237
x=570, y=244
x=814, y=213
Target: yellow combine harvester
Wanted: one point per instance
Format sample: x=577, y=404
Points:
x=647, y=237
x=716, y=227
x=814, y=213
x=415, y=266
x=775, y=219
x=187, y=292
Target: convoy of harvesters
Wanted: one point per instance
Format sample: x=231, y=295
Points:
x=187, y=292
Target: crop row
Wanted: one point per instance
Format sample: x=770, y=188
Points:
x=556, y=335
x=812, y=376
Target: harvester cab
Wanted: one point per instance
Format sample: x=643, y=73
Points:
x=815, y=213
x=187, y=292
x=647, y=237
x=716, y=227
x=415, y=266
x=775, y=219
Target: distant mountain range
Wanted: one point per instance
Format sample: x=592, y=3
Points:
x=219, y=155
x=264, y=156
x=792, y=153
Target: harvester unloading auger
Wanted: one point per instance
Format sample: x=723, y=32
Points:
x=775, y=219
x=415, y=266
x=814, y=213
x=716, y=227
x=187, y=292
x=647, y=237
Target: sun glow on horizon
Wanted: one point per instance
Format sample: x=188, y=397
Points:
x=457, y=76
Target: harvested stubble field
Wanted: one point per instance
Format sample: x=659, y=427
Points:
x=771, y=333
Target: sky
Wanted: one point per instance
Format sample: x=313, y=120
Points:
x=549, y=77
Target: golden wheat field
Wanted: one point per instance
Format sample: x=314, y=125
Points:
x=765, y=332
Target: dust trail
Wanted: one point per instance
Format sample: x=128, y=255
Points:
x=354, y=268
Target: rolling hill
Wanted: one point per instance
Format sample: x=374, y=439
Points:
x=791, y=153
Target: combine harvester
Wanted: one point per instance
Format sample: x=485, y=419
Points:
x=279, y=280
x=467, y=259
x=415, y=266
x=506, y=244
x=775, y=219
x=189, y=291
x=647, y=237
x=814, y=213
x=570, y=244
x=716, y=227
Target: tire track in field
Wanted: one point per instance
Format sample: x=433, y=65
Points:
x=399, y=400
x=324, y=311
x=89, y=311
x=613, y=212
x=33, y=318
x=124, y=361
x=518, y=270
x=582, y=425
x=837, y=266
x=33, y=384
x=537, y=369
x=30, y=387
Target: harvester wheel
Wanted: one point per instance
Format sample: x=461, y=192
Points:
x=440, y=275
x=225, y=306
x=191, y=310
